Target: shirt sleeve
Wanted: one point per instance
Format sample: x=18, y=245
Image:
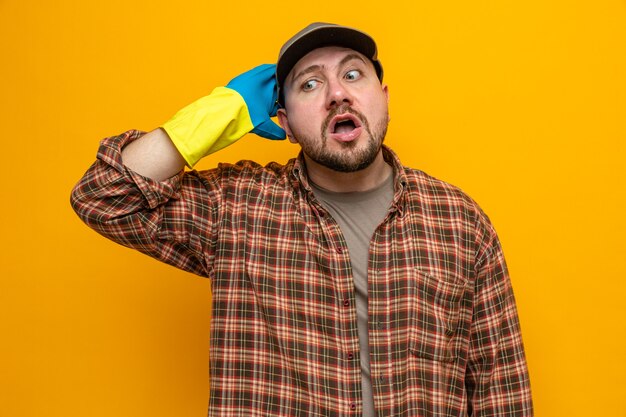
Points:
x=497, y=379
x=172, y=220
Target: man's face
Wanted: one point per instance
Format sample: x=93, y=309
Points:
x=336, y=108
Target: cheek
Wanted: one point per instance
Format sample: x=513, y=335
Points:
x=382, y=107
x=302, y=120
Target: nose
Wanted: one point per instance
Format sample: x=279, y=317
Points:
x=337, y=94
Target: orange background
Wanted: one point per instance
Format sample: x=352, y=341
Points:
x=521, y=104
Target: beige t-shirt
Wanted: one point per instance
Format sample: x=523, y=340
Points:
x=358, y=215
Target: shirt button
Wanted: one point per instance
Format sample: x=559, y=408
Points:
x=353, y=406
x=350, y=355
x=380, y=325
x=338, y=249
x=346, y=303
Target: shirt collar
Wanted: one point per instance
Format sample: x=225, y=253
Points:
x=298, y=171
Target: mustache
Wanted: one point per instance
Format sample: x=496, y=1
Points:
x=344, y=108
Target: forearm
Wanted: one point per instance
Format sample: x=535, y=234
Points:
x=153, y=217
x=153, y=156
x=207, y=125
x=132, y=194
x=110, y=193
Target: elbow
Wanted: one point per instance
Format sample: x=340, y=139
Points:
x=80, y=205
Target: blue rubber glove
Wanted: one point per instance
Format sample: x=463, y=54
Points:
x=258, y=89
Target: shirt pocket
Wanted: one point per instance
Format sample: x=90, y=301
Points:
x=434, y=317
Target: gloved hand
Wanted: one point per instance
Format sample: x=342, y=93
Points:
x=228, y=113
x=258, y=89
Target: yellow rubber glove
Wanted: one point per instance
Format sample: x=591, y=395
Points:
x=213, y=122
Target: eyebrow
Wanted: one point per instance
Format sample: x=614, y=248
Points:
x=317, y=67
x=350, y=57
x=307, y=70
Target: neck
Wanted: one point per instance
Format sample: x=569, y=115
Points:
x=345, y=182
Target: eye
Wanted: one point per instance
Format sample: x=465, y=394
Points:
x=353, y=75
x=309, y=85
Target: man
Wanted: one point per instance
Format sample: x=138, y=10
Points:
x=343, y=283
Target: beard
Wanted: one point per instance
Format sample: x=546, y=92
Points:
x=351, y=157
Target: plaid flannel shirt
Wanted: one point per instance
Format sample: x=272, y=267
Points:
x=443, y=328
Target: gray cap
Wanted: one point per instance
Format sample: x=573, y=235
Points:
x=318, y=35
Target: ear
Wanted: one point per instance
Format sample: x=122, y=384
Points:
x=386, y=92
x=284, y=123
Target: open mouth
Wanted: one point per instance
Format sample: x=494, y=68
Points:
x=344, y=124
